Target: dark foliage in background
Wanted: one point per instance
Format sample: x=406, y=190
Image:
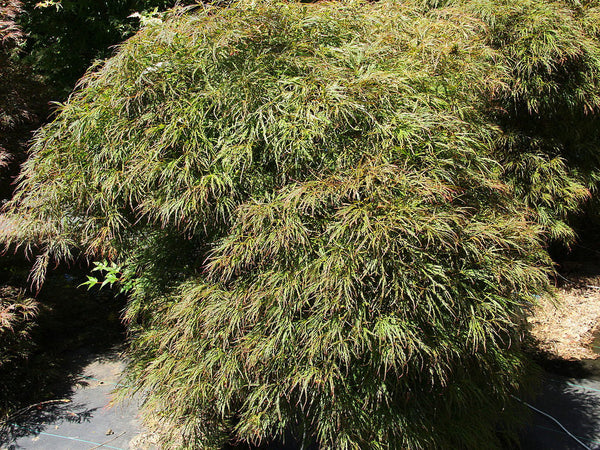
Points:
x=23, y=97
x=64, y=37
x=20, y=104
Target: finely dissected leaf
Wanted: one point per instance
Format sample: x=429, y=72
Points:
x=331, y=217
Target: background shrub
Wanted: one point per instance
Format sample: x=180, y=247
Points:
x=17, y=319
x=21, y=97
x=549, y=107
x=64, y=37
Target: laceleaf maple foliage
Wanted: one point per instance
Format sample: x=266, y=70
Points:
x=322, y=211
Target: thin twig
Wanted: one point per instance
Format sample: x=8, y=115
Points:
x=22, y=411
x=587, y=248
x=110, y=440
x=553, y=419
x=590, y=286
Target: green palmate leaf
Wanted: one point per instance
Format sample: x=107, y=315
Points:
x=91, y=282
x=113, y=275
x=331, y=217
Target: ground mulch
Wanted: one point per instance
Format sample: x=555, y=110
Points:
x=565, y=327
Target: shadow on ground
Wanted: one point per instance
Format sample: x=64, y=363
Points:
x=35, y=419
x=86, y=418
x=74, y=329
x=575, y=403
x=570, y=394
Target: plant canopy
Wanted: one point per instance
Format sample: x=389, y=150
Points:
x=332, y=216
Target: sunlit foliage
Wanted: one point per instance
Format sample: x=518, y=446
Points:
x=332, y=215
